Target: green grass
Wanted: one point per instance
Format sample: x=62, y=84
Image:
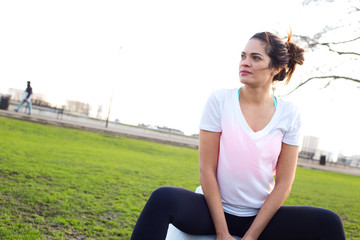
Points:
x=59, y=183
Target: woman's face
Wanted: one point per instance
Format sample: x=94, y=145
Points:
x=254, y=66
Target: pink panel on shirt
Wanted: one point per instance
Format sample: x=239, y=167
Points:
x=246, y=165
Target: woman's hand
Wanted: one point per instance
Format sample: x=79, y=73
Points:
x=248, y=238
x=228, y=237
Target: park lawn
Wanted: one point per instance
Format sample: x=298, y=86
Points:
x=59, y=183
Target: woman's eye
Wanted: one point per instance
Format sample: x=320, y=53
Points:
x=256, y=58
x=243, y=57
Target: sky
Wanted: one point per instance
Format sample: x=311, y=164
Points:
x=159, y=60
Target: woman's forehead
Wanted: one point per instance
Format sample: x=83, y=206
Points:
x=255, y=46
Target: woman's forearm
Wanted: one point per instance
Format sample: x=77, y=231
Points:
x=208, y=160
x=267, y=211
x=213, y=199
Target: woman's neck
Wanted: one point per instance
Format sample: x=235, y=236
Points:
x=255, y=96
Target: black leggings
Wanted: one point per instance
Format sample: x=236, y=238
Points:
x=188, y=212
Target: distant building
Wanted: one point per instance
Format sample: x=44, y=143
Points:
x=310, y=147
x=162, y=129
x=195, y=135
x=99, y=112
x=77, y=107
x=352, y=161
x=170, y=130
x=355, y=161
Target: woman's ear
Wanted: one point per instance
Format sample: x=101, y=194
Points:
x=277, y=70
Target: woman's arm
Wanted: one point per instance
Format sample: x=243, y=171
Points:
x=285, y=174
x=208, y=160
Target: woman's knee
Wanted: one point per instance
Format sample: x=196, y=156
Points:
x=331, y=219
x=331, y=225
x=164, y=196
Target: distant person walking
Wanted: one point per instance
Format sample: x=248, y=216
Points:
x=26, y=98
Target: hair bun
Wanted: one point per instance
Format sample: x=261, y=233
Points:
x=296, y=55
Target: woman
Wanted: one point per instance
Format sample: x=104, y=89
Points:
x=246, y=136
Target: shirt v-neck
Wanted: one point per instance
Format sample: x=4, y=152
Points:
x=244, y=124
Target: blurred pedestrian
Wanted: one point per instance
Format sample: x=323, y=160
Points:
x=26, y=98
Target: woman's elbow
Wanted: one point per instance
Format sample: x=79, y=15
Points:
x=206, y=175
x=283, y=188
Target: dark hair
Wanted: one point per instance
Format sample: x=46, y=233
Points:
x=286, y=55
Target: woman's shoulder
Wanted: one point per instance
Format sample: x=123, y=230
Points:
x=224, y=92
x=287, y=103
x=288, y=108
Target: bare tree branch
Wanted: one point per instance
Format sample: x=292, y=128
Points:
x=323, y=77
x=351, y=40
x=344, y=53
x=328, y=84
x=307, y=2
x=312, y=43
x=339, y=52
x=355, y=9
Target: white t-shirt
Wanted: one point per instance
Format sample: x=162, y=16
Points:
x=247, y=159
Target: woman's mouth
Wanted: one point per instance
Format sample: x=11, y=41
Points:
x=245, y=72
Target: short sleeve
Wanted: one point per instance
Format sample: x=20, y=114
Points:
x=293, y=135
x=211, y=116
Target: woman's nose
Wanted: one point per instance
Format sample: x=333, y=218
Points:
x=244, y=62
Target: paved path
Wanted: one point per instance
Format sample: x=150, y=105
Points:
x=341, y=169
x=166, y=138
x=154, y=136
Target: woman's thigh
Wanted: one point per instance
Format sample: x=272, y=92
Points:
x=295, y=223
x=303, y=222
x=186, y=210
x=191, y=213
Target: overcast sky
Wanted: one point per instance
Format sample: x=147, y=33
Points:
x=159, y=59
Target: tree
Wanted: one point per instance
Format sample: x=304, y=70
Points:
x=341, y=39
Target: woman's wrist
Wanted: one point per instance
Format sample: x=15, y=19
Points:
x=223, y=236
x=249, y=236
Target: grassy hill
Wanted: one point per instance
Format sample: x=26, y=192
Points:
x=59, y=183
